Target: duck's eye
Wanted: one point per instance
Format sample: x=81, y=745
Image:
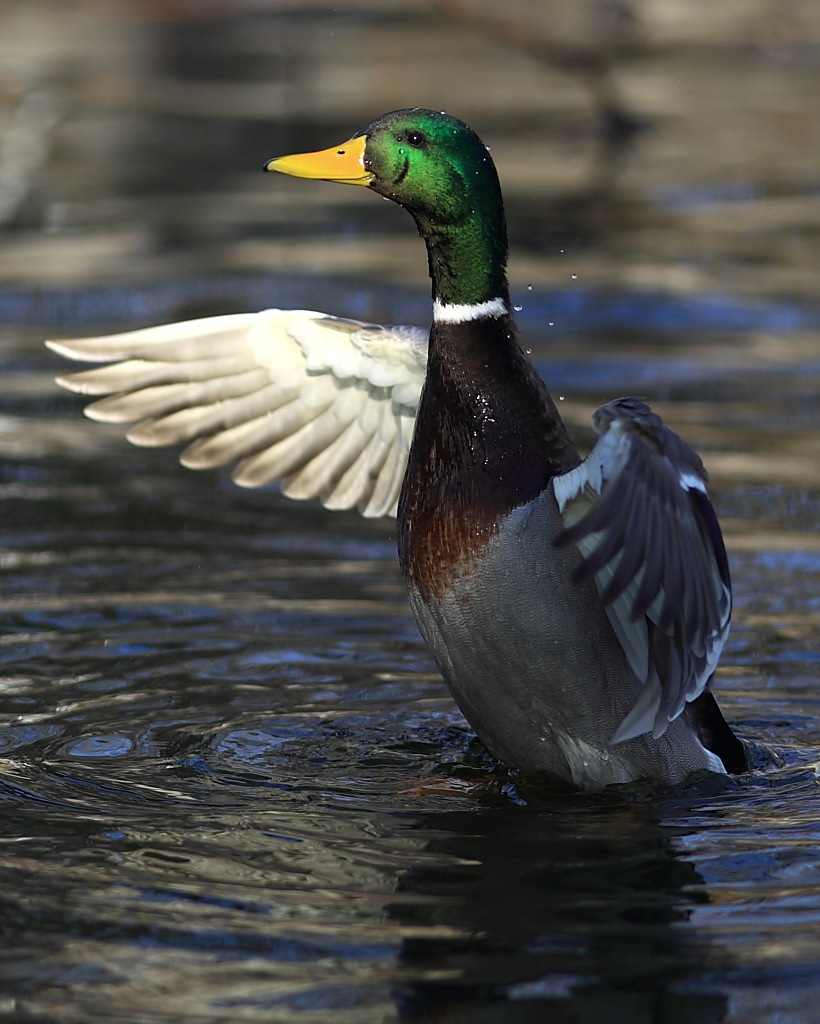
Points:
x=417, y=139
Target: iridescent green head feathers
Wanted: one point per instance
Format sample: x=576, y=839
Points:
x=438, y=169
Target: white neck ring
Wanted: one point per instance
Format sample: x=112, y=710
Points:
x=458, y=313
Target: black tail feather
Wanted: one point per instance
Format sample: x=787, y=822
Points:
x=715, y=734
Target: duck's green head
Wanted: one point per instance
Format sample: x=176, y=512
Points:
x=437, y=168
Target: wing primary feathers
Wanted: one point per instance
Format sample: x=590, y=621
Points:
x=315, y=401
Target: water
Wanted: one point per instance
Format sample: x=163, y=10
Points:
x=232, y=786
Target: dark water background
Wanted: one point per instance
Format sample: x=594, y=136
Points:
x=216, y=710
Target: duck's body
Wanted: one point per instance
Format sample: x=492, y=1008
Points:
x=526, y=649
x=575, y=609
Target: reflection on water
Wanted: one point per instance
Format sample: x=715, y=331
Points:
x=554, y=909
x=231, y=784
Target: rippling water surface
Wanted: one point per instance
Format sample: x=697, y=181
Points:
x=232, y=786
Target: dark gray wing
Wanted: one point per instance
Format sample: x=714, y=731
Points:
x=638, y=511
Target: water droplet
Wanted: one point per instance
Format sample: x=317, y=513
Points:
x=574, y=277
x=528, y=351
x=529, y=287
x=560, y=398
x=518, y=308
x=551, y=323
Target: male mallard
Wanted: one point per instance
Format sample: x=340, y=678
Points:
x=576, y=609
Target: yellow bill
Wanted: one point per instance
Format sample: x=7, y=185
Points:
x=344, y=164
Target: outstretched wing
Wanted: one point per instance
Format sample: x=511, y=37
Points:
x=325, y=405
x=638, y=511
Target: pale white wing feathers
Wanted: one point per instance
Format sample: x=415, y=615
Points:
x=324, y=404
x=637, y=510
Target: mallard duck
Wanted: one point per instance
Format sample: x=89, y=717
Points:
x=575, y=608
